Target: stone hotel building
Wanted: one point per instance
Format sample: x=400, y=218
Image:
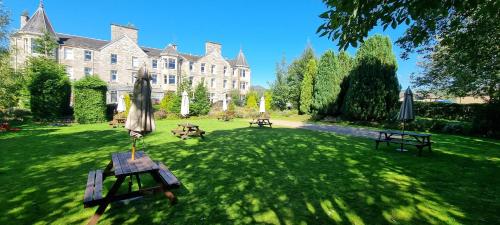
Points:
x=117, y=60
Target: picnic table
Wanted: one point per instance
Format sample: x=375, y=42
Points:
x=185, y=130
x=261, y=122
x=117, y=122
x=122, y=167
x=398, y=137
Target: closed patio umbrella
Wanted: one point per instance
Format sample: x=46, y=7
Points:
x=224, y=104
x=140, y=119
x=406, y=112
x=262, y=105
x=185, y=104
x=121, y=104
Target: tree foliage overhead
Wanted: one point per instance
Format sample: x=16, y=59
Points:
x=374, y=88
x=90, y=100
x=296, y=72
x=326, y=84
x=349, y=22
x=49, y=88
x=279, y=88
x=306, y=90
x=466, y=62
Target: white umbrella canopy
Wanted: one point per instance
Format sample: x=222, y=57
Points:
x=185, y=104
x=262, y=105
x=224, y=104
x=121, y=104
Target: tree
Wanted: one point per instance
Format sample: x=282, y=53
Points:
x=4, y=25
x=90, y=100
x=346, y=64
x=46, y=45
x=252, y=100
x=326, y=84
x=200, y=104
x=236, y=97
x=168, y=102
x=268, y=98
x=374, y=88
x=349, y=22
x=279, y=88
x=49, y=88
x=306, y=90
x=466, y=62
x=296, y=72
x=11, y=83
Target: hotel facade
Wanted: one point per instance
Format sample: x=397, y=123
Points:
x=116, y=61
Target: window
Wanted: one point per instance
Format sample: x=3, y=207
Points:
x=191, y=66
x=191, y=81
x=134, y=77
x=87, y=71
x=135, y=62
x=154, y=78
x=26, y=45
x=212, y=82
x=114, y=96
x=165, y=79
x=243, y=86
x=224, y=85
x=171, y=79
x=225, y=69
x=69, y=71
x=203, y=68
x=212, y=70
x=87, y=55
x=33, y=46
x=113, y=76
x=234, y=84
x=68, y=53
x=114, y=58
x=154, y=63
x=171, y=63
x=242, y=73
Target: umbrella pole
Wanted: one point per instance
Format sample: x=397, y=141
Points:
x=403, y=136
x=133, y=149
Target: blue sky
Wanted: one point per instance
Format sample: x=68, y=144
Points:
x=265, y=30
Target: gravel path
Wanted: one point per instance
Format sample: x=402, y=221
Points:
x=353, y=131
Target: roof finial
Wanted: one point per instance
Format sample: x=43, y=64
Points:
x=41, y=4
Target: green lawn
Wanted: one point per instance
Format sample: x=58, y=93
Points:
x=241, y=175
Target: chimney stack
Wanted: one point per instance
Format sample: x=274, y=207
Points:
x=118, y=31
x=24, y=19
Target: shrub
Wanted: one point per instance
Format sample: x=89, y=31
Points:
x=374, y=88
x=160, y=114
x=171, y=103
x=90, y=100
x=49, y=88
x=128, y=103
x=200, y=104
x=437, y=110
x=252, y=100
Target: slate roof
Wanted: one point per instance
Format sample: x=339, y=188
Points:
x=241, y=60
x=189, y=57
x=170, y=50
x=81, y=42
x=39, y=23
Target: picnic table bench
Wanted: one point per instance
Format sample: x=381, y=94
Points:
x=261, y=122
x=397, y=137
x=185, y=130
x=122, y=167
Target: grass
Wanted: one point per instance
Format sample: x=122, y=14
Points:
x=242, y=175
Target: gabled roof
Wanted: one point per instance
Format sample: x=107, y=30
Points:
x=170, y=50
x=241, y=60
x=39, y=23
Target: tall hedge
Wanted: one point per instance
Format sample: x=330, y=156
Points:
x=306, y=90
x=90, y=100
x=49, y=88
x=373, y=88
x=326, y=84
x=346, y=63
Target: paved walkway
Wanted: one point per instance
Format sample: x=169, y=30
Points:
x=354, y=131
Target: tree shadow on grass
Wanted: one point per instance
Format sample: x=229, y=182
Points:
x=252, y=175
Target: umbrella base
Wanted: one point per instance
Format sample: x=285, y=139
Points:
x=401, y=150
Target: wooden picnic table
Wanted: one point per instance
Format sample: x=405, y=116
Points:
x=185, y=130
x=122, y=167
x=261, y=122
x=398, y=137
